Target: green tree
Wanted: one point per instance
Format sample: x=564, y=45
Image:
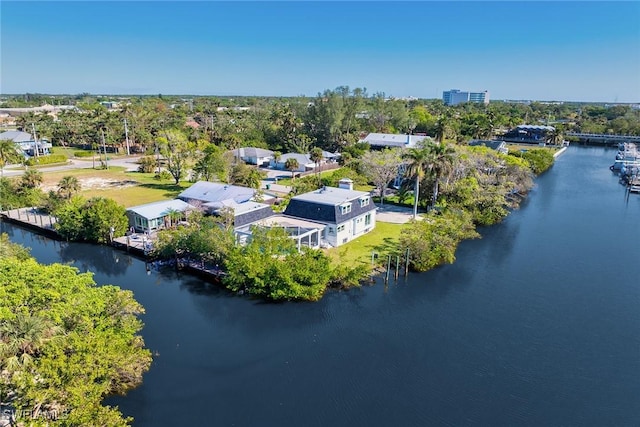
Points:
x=417, y=159
x=381, y=167
x=68, y=186
x=91, y=220
x=8, y=154
x=66, y=344
x=292, y=165
x=32, y=178
x=440, y=163
x=178, y=151
x=316, y=156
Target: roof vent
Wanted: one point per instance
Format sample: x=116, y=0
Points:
x=346, y=184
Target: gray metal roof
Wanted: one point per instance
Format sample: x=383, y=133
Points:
x=160, y=209
x=303, y=159
x=16, y=136
x=205, y=191
x=393, y=140
x=535, y=127
x=251, y=152
x=332, y=196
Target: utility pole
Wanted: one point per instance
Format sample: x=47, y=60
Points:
x=126, y=135
x=35, y=140
x=104, y=148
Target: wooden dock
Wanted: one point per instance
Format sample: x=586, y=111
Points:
x=32, y=218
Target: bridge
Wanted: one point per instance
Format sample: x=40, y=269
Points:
x=602, y=138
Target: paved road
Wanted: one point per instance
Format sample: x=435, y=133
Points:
x=129, y=163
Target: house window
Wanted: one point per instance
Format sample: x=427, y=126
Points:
x=364, y=202
x=340, y=228
x=345, y=209
x=367, y=219
x=331, y=230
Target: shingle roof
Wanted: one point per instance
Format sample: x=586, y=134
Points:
x=205, y=191
x=160, y=209
x=16, y=136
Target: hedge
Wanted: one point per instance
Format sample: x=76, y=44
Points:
x=46, y=160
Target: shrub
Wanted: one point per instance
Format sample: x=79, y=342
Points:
x=147, y=164
x=46, y=160
x=83, y=153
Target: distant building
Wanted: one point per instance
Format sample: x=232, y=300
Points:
x=253, y=155
x=455, y=96
x=27, y=143
x=531, y=134
x=391, y=140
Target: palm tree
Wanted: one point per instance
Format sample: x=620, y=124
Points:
x=418, y=159
x=31, y=178
x=441, y=158
x=67, y=186
x=22, y=338
x=8, y=154
x=316, y=156
x=174, y=216
x=291, y=165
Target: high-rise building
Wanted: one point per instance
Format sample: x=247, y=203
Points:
x=455, y=96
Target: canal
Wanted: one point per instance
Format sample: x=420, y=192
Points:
x=537, y=323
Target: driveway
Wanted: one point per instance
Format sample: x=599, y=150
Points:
x=394, y=214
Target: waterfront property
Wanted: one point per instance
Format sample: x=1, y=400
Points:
x=528, y=134
x=346, y=213
x=306, y=233
x=211, y=194
x=150, y=217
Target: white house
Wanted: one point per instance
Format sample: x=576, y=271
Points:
x=391, y=140
x=346, y=213
x=253, y=155
x=304, y=162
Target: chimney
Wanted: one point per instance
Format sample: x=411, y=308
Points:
x=346, y=184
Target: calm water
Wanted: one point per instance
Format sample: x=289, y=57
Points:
x=537, y=323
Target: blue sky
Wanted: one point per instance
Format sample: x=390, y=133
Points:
x=580, y=51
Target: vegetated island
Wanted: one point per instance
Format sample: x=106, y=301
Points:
x=65, y=343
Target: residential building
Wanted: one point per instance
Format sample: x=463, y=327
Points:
x=253, y=155
x=306, y=233
x=531, y=134
x=27, y=143
x=347, y=213
x=150, y=217
x=391, y=140
x=215, y=198
x=456, y=96
x=304, y=162
x=211, y=194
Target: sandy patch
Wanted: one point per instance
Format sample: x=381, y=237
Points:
x=96, y=184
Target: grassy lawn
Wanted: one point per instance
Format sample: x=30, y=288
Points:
x=528, y=147
x=382, y=240
x=126, y=188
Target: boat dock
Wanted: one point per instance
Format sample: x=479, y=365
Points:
x=32, y=218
